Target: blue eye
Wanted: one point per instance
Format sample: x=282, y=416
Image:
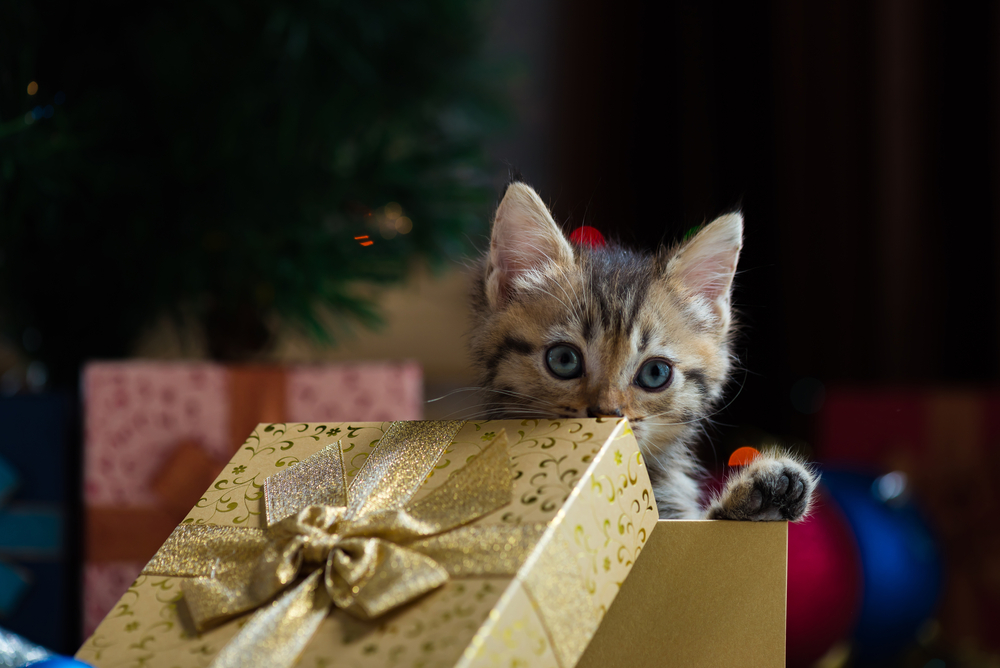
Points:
x=564, y=361
x=654, y=375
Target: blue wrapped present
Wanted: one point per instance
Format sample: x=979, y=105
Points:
x=8, y=480
x=39, y=577
x=13, y=580
x=32, y=533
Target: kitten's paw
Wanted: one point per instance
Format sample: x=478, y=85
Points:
x=767, y=489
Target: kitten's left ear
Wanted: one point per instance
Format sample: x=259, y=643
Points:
x=707, y=263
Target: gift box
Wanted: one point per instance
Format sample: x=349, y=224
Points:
x=701, y=594
x=158, y=433
x=405, y=543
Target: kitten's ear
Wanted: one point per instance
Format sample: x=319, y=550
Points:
x=524, y=244
x=707, y=263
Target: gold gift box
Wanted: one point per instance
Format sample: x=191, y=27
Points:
x=582, y=481
x=702, y=594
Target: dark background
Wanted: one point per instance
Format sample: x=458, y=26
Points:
x=859, y=139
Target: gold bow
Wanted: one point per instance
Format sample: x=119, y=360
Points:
x=367, y=548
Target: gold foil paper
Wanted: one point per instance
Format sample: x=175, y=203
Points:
x=575, y=506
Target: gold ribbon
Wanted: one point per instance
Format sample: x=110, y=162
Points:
x=366, y=549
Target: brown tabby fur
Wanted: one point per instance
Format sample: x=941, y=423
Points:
x=620, y=308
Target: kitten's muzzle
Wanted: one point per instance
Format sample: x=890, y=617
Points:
x=603, y=412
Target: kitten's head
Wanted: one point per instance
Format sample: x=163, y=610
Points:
x=562, y=330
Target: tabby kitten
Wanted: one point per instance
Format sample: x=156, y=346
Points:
x=563, y=330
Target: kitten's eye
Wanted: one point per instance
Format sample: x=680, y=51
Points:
x=654, y=375
x=564, y=361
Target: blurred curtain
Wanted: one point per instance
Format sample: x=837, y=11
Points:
x=887, y=145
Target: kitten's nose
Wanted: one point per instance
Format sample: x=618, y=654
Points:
x=603, y=412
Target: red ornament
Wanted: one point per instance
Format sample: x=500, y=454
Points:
x=587, y=236
x=824, y=583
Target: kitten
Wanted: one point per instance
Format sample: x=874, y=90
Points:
x=562, y=330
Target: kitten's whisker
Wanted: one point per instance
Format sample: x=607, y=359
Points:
x=492, y=413
x=669, y=424
x=490, y=389
x=738, y=393
x=453, y=392
x=500, y=409
x=501, y=404
x=521, y=395
x=711, y=443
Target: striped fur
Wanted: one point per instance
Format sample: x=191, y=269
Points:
x=619, y=308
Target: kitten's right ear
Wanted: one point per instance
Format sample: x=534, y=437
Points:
x=525, y=243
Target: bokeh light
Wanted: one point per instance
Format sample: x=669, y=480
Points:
x=390, y=221
x=891, y=487
x=32, y=88
x=36, y=376
x=743, y=456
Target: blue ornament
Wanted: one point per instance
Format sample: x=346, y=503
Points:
x=900, y=563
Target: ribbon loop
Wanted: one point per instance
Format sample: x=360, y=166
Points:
x=350, y=566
